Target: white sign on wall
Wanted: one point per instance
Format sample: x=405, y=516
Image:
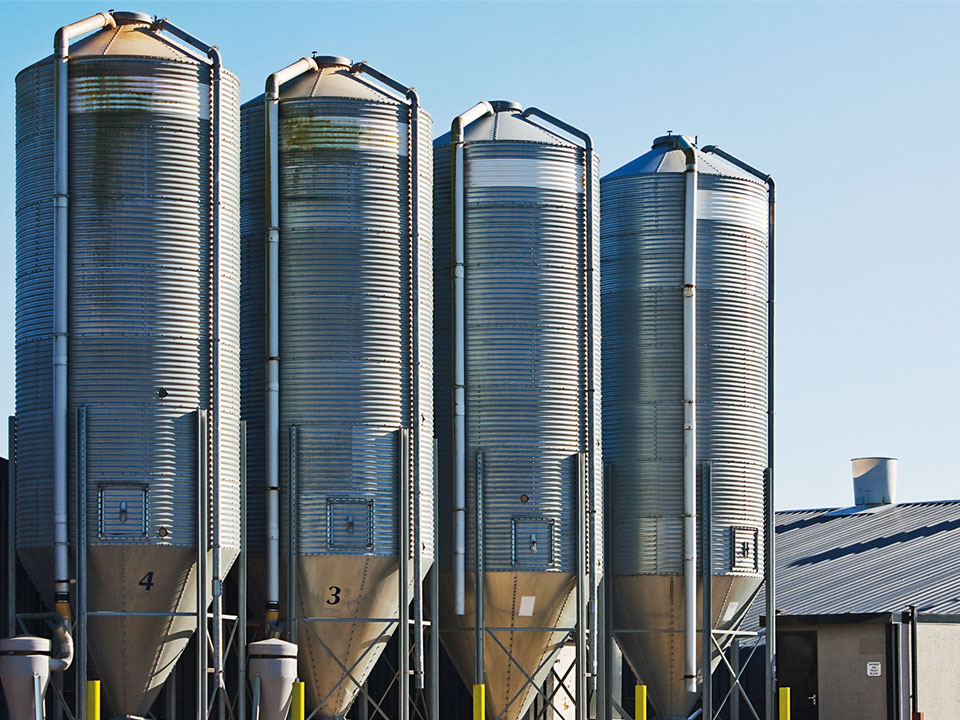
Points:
x=873, y=669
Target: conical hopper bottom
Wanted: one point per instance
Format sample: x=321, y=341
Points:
x=133, y=656
x=343, y=589
x=655, y=603
x=508, y=692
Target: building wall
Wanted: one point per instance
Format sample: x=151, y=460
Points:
x=938, y=670
x=845, y=690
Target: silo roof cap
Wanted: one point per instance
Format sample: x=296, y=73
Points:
x=669, y=139
x=664, y=157
x=331, y=61
x=132, y=18
x=505, y=106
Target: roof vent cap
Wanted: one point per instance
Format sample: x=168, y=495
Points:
x=874, y=481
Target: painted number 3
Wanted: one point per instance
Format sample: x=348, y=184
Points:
x=334, y=598
x=146, y=582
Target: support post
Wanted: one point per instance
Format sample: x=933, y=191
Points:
x=784, y=705
x=297, y=704
x=640, y=702
x=706, y=564
x=93, y=700
x=479, y=701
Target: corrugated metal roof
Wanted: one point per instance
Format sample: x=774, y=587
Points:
x=871, y=561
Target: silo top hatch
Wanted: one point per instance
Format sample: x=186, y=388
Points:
x=665, y=157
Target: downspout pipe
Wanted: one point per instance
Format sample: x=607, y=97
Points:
x=61, y=232
x=272, y=125
x=481, y=109
x=690, y=419
x=413, y=104
x=770, y=521
x=590, y=276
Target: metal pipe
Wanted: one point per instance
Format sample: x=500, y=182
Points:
x=586, y=601
x=272, y=113
x=61, y=46
x=914, y=680
x=689, y=416
x=460, y=122
x=706, y=567
x=403, y=555
x=770, y=534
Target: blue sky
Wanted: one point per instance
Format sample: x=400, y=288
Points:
x=851, y=106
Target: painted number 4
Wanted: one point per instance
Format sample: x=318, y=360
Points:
x=146, y=581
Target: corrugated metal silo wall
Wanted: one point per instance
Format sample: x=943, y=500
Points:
x=642, y=261
x=345, y=279
x=140, y=278
x=526, y=328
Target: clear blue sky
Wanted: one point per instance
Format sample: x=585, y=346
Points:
x=853, y=107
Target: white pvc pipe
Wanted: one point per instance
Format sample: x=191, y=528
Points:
x=690, y=422
x=61, y=45
x=459, y=360
x=272, y=102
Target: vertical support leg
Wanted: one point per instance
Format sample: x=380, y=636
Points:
x=403, y=555
x=435, y=604
x=706, y=563
x=580, y=711
x=480, y=627
x=609, y=649
x=292, y=536
x=769, y=560
x=735, y=665
x=12, y=527
x=241, y=713
x=82, y=687
x=202, y=539
x=479, y=701
x=170, y=693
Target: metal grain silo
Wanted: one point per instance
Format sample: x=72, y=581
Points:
x=337, y=362
x=684, y=252
x=518, y=407
x=128, y=281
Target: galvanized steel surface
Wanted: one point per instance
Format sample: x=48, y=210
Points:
x=642, y=256
x=526, y=325
x=345, y=345
x=139, y=314
x=346, y=357
x=642, y=260
x=870, y=561
x=526, y=328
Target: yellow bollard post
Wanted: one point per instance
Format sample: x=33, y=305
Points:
x=479, y=702
x=640, y=702
x=296, y=701
x=784, y=703
x=93, y=700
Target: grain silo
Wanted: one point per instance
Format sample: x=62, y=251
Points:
x=684, y=251
x=128, y=281
x=337, y=364
x=517, y=393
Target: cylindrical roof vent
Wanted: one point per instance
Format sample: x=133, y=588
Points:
x=874, y=481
